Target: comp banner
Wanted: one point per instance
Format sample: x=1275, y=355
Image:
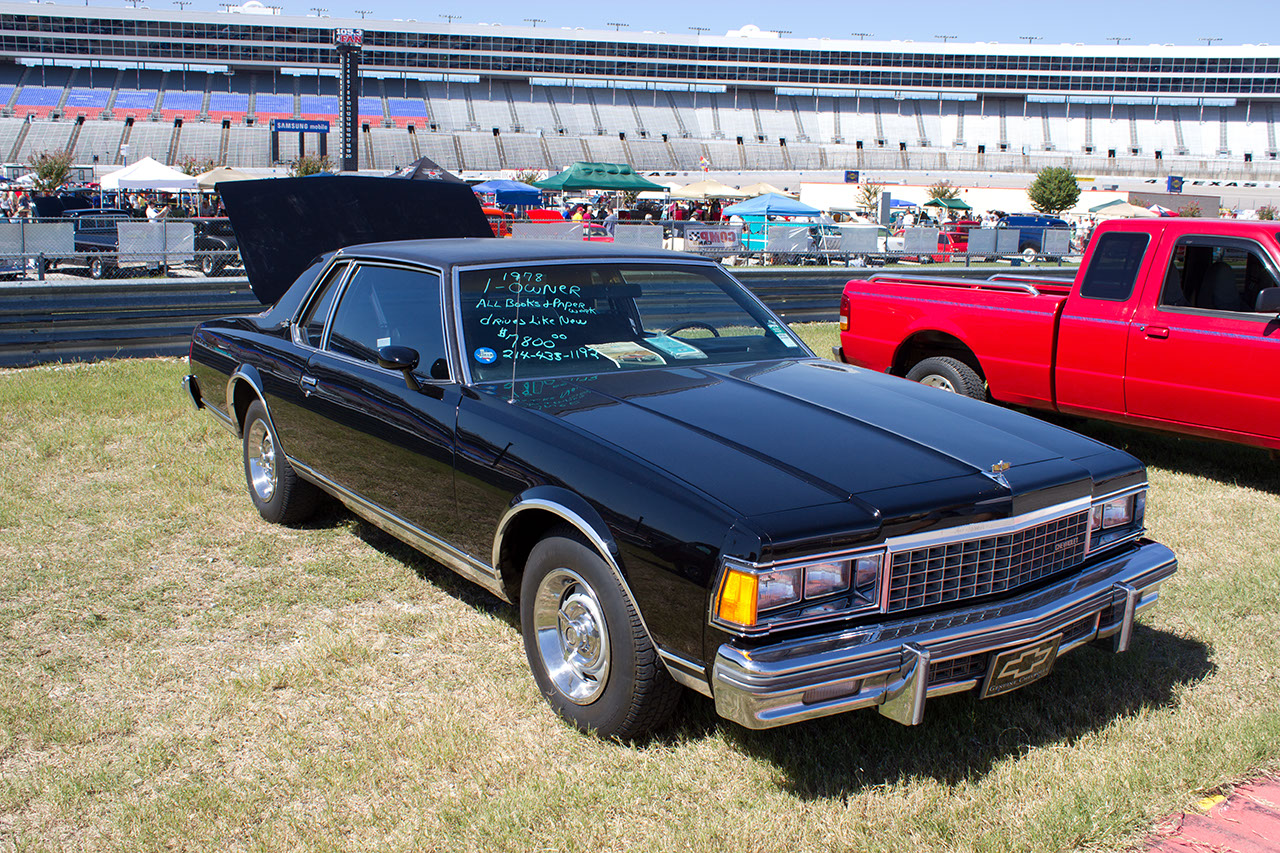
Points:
x=713, y=238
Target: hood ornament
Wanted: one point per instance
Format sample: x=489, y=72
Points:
x=997, y=473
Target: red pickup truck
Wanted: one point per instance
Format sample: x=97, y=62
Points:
x=1170, y=323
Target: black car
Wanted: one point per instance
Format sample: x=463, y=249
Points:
x=216, y=246
x=671, y=487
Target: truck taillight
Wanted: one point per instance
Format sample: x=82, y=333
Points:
x=844, y=312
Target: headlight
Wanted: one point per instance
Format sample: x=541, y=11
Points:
x=1116, y=518
x=751, y=597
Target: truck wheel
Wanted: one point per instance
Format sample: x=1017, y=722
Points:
x=98, y=268
x=1029, y=254
x=211, y=266
x=949, y=374
x=589, y=653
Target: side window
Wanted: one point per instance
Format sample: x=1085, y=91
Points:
x=318, y=311
x=1113, y=270
x=1216, y=276
x=387, y=306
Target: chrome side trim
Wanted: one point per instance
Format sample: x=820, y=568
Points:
x=686, y=672
x=766, y=686
x=224, y=419
x=606, y=549
x=463, y=564
x=246, y=374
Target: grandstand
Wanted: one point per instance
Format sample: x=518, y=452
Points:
x=92, y=80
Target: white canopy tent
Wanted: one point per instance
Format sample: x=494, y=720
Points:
x=148, y=174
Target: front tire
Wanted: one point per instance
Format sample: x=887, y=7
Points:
x=1029, y=254
x=949, y=374
x=281, y=496
x=589, y=653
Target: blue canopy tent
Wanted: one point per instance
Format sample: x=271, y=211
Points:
x=511, y=192
x=770, y=204
x=756, y=213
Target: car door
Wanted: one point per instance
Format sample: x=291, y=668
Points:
x=1094, y=327
x=383, y=443
x=1198, y=355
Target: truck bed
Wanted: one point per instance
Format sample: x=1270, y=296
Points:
x=896, y=320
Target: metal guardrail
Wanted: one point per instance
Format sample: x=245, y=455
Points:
x=56, y=321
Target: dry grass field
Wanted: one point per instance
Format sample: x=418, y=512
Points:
x=180, y=675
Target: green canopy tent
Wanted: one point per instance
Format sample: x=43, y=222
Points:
x=616, y=177
x=948, y=203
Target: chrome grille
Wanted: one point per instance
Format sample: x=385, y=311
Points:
x=957, y=571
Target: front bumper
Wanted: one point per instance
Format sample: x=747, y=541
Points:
x=896, y=666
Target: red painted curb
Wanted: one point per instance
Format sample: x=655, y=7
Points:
x=1246, y=822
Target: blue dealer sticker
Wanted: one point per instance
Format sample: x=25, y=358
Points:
x=484, y=355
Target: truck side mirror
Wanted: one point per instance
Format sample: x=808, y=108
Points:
x=1268, y=301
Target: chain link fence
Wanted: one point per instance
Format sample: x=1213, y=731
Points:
x=110, y=244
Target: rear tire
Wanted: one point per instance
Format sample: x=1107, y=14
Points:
x=589, y=652
x=281, y=496
x=1029, y=254
x=949, y=374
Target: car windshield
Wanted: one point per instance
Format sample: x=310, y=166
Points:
x=565, y=319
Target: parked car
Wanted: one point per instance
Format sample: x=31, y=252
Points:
x=1031, y=228
x=949, y=244
x=216, y=245
x=1154, y=330
x=638, y=454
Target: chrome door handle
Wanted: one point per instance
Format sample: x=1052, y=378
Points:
x=308, y=384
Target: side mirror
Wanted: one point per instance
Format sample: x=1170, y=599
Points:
x=1268, y=301
x=397, y=358
x=404, y=359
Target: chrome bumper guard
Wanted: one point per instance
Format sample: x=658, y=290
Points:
x=896, y=666
x=192, y=387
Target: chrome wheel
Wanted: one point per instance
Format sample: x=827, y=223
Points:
x=933, y=380
x=572, y=636
x=262, y=460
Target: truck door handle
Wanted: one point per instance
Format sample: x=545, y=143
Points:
x=308, y=384
x=1157, y=332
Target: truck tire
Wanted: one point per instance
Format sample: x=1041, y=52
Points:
x=1029, y=253
x=949, y=374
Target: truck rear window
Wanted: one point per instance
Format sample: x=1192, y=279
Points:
x=1114, y=266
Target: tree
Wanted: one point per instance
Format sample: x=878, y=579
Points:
x=1267, y=211
x=52, y=169
x=194, y=166
x=310, y=164
x=869, y=196
x=527, y=176
x=1054, y=190
x=1190, y=210
x=943, y=190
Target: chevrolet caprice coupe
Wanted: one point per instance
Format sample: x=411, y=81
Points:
x=673, y=489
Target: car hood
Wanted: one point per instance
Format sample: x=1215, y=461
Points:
x=282, y=224
x=768, y=439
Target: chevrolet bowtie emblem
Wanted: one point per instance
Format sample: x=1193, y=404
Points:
x=1000, y=467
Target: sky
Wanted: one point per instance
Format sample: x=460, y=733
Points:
x=1050, y=21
